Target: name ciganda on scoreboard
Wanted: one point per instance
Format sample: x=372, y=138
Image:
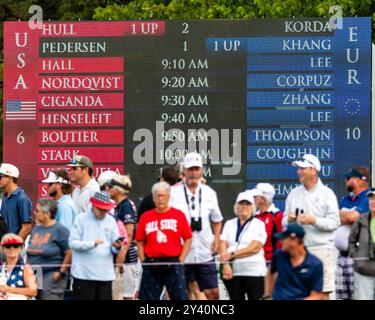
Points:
x=251, y=96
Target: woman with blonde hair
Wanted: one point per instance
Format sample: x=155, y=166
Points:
x=17, y=280
x=241, y=251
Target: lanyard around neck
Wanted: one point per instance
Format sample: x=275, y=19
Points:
x=199, y=200
x=239, y=236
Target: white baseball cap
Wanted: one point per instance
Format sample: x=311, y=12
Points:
x=106, y=176
x=9, y=170
x=309, y=161
x=192, y=159
x=53, y=178
x=265, y=190
x=245, y=196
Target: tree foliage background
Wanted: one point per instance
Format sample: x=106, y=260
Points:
x=175, y=9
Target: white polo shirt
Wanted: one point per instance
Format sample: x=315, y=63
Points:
x=255, y=230
x=200, y=250
x=81, y=197
x=321, y=202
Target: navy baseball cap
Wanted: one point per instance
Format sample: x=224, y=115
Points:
x=371, y=192
x=354, y=173
x=293, y=230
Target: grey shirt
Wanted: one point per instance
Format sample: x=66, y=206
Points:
x=48, y=245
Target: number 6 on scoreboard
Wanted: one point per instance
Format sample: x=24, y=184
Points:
x=20, y=138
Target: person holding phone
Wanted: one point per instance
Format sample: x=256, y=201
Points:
x=117, y=286
x=119, y=188
x=319, y=219
x=94, y=240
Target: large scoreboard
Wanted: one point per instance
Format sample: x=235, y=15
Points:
x=250, y=95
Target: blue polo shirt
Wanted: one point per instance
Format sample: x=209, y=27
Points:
x=16, y=209
x=66, y=211
x=358, y=202
x=296, y=283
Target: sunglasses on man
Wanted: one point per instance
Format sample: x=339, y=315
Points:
x=105, y=187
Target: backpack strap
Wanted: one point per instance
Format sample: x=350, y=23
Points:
x=274, y=230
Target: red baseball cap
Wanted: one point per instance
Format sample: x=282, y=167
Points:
x=102, y=201
x=11, y=241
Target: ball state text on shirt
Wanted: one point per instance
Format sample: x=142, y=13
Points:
x=166, y=224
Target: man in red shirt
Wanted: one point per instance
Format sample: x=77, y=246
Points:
x=158, y=237
x=272, y=217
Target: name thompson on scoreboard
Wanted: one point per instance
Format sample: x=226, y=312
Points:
x=217, y=146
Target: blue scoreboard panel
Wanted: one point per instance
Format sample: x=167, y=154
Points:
x=308, y=90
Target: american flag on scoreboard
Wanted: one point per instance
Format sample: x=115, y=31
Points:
x=20, y=110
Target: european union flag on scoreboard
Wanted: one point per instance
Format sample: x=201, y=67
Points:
x=20, y=110
x=353, y=106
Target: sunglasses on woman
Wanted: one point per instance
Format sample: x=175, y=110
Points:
x=12, y=245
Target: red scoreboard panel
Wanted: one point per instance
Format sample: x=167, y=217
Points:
x=56, y=107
